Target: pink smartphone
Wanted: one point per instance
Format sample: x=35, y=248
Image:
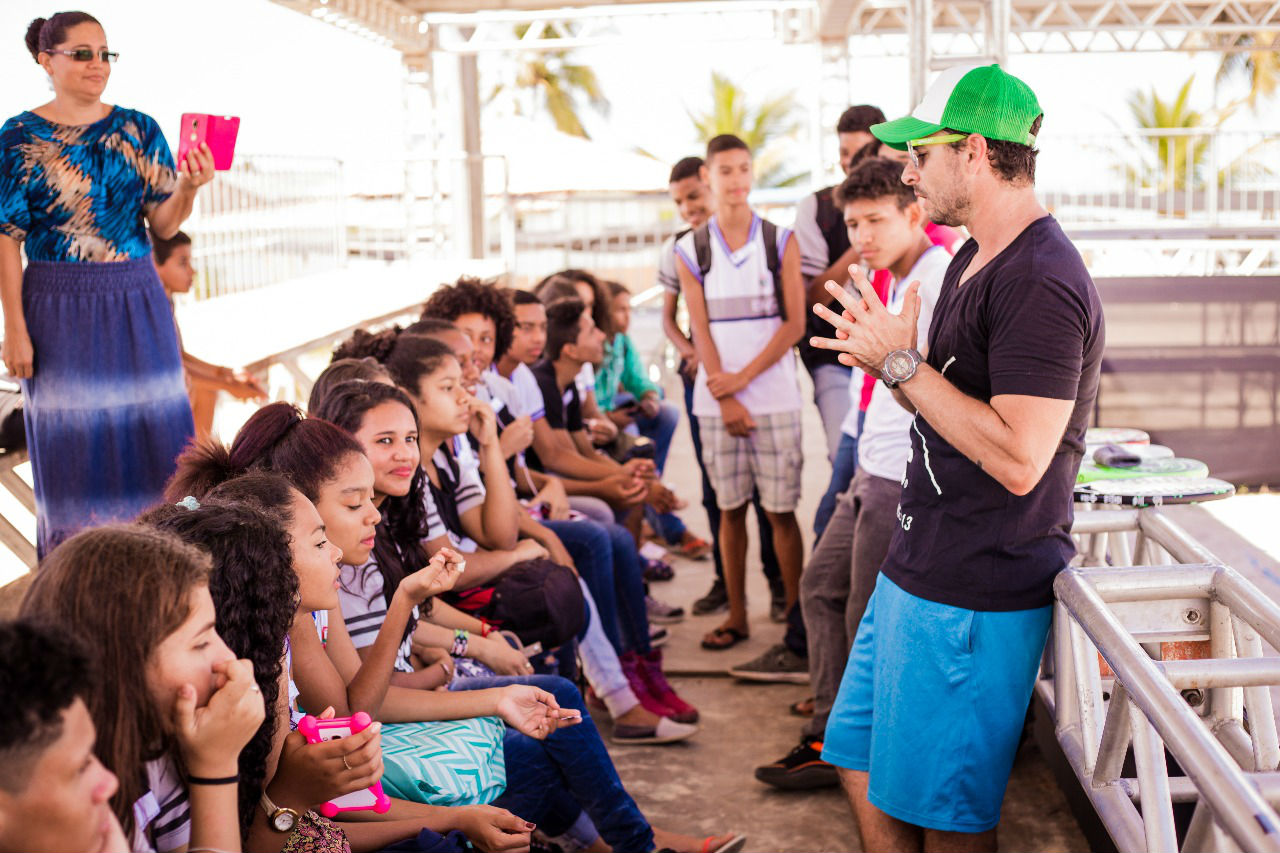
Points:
x=218, y=132
x=318, y=731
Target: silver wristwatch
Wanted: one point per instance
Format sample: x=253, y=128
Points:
x=900, y=365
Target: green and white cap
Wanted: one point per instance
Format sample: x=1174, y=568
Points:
x=985, y=99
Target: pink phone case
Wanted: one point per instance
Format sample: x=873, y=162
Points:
x=218, y=132
x=317, y=731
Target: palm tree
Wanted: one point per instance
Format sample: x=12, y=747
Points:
x=1260, y=66
x=1167, y=160
x=1181, y=162
x=765, y=128
x=559, y=84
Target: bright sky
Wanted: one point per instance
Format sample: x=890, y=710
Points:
x=307, y=88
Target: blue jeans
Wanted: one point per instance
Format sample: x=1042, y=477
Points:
x=841, y=475
x=551, y=782
x=659, y=429
x=768, y=559
x=606, y=558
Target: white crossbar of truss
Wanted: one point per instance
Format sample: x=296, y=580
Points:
x=879, y=26
x=1062, y=26
x=788, y=21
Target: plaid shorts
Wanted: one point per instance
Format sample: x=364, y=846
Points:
x=769, y=460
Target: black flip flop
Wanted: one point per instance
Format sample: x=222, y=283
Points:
x=735, y=636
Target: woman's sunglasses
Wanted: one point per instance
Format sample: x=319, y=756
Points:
x=86, y=54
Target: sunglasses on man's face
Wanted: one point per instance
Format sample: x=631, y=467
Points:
x=917, y=157
x=86, y=54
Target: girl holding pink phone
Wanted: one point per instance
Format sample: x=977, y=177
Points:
x=87, y=327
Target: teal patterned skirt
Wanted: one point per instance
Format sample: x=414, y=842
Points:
x=446, y=763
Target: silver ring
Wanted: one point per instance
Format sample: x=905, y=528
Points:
x=254, y=688
x=344, y=763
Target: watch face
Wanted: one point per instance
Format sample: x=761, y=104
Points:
x=283, y=820
x=898, y=365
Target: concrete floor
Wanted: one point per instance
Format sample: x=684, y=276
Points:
x=706, y=785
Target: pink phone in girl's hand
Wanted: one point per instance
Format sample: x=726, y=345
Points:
x=318, y=731
x=218, y=132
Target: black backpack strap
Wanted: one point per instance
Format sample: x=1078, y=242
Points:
x=769, y=233
x=702, y=249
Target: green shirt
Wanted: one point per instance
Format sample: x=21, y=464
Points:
x=621, y=367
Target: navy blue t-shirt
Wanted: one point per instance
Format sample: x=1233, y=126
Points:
x=1029, y=323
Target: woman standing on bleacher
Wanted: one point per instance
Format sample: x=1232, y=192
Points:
x=87, y=327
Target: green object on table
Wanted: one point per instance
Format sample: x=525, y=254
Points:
x=1171, y=467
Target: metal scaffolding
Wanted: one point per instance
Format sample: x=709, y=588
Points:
x=441, y=39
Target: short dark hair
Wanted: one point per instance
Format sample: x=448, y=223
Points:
x=563, y=317
x=549, y=290
x=686, y=168
x=469, y=295
x=725, y=142
x=46, y=33
x=340, y=370
x=164, y=248
x=858, y=119
x=616, y=289
x=1012, y=161
x=555, y=287
x=430, y=326
x=42, y=673
x=523, y=297
x=414, y=357
x=875, y=178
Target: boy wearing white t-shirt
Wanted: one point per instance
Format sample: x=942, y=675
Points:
x=740, y=277
x=887, y=228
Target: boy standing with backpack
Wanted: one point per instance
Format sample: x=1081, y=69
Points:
x=740, y=276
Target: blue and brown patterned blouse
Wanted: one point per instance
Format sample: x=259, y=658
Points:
x=79, y=193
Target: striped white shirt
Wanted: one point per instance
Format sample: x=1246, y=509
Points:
x=743, y=310
x=364, y=608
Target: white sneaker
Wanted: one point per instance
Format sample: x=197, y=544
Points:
x=667, y=731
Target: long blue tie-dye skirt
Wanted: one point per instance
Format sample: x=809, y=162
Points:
x=106, y=410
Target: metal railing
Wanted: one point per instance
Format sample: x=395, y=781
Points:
x=1198, y=176
x=1113, y=693
x=266, y=220
x=1182, y=199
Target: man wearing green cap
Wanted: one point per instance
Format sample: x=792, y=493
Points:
x=932, y=703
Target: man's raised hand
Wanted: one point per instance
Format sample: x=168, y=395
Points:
x=865, y=331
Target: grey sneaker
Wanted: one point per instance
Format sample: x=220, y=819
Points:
x=661, y=612
x=779, y=664
x=716, y=599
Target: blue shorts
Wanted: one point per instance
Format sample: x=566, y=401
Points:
x=932, y=705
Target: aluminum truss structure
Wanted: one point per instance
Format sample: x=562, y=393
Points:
x=1214, y=716
x=1063, y=26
